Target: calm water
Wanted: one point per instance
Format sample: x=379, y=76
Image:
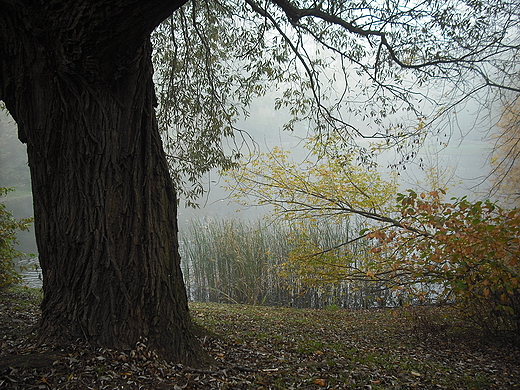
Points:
x=31, y=272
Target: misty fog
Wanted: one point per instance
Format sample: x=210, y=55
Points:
x=466, y=156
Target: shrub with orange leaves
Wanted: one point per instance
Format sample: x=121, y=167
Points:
x=469, y=250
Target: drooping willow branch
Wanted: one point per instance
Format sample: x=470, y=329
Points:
x=294, y=15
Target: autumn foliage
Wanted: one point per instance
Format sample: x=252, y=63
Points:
x=461, y=251
x=506, y=150
x=415, y=248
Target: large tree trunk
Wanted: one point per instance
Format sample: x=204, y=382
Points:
x=78, y=81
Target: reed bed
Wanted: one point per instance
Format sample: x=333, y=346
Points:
x=239, y=261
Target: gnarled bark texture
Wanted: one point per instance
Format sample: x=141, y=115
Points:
x=77, y=77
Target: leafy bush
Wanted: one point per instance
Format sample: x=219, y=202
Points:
x=470, y=252
x=9, y=226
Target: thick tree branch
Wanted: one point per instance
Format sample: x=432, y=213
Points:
x=101, y=32
x=133, y=21
x=294, y=15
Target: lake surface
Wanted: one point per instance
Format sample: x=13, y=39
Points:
x=31, y=272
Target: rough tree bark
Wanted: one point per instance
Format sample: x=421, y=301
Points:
x=77, y=78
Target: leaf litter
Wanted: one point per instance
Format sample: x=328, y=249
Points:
x=257, y=347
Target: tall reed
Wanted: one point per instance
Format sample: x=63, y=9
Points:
x=232, y=260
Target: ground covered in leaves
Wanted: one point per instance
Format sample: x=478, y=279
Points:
x=272, y=348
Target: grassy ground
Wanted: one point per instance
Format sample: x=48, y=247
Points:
x=382, y=349
x=272, y=348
